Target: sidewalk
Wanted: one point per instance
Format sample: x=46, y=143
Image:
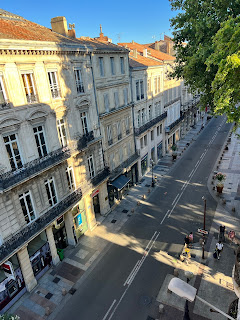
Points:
x=57, y=286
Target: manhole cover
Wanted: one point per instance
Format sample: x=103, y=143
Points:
x=145, y=300
x=125, y=211
x=113, y=221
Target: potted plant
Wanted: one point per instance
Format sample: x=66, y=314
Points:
x=220, y=177
x=174, y=151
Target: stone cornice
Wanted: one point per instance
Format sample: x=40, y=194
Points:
x=30, y=52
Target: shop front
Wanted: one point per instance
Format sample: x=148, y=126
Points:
x=12, y=285
x=144, y=164
x=40, y=255
x=117, y=188
x=80, y=225
x=159, y=150
x=96, y=202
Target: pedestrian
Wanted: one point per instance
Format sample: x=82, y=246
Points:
x=190, y=237
x=219, y=247
x=222, y=233
x=186, y=241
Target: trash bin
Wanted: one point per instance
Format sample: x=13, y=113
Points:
x=60, y=253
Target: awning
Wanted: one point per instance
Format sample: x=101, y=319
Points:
x=120, y=182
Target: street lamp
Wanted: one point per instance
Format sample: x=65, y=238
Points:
x=204, y=225
x=188, y=292
x=152, y=164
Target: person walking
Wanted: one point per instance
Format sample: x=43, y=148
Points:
x=186, y=241
x=190, y=237
x=219, y=248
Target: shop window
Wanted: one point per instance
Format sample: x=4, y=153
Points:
x=61, y=126
x=40, y=141
x=11, y=144
x=70, y=178
x=51, y=191
x=27, y=206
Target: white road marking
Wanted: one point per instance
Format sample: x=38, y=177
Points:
x=191, y=173
x=164, y=217
x=175, y=199
x=105, y=317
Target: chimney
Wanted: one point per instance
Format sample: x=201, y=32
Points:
x=135, y=53
x=132, y=42
x=72, y=33
x=59, y=25
x=145, y=52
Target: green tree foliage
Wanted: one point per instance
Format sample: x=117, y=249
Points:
x=196, y=27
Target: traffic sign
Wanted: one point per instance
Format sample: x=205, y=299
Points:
x=202, y=231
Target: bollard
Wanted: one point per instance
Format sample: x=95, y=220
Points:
x=64, y=291
x=47, y=311
x=161, y=308
x=176, y=272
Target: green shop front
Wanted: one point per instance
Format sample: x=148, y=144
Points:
x=80, y=225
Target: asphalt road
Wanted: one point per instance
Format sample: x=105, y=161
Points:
x=123, y=283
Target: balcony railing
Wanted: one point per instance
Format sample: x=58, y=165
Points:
x=56, y=93
x=101, y=176
x=32, y=98
x=149, y=124
x=127, y=131
x=120, y=136
x=4, y=104
x=37, y=226
x=11, y=178
x=172, y=101
x=110, y=142
x=125, y=164
x=174, y=124
x=84, y=140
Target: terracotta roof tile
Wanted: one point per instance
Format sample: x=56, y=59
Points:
x=141, y=61
x=154, y=53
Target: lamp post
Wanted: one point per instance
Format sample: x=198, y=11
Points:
x=188, y=292
x=152, y=164
x=204, y=225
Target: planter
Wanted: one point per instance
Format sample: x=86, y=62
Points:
x=219, y=189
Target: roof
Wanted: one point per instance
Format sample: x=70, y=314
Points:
x=101, y=45
x=141, y=61
x=154, y=53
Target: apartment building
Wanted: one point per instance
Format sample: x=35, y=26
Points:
x=112, y=86
x=51, y=160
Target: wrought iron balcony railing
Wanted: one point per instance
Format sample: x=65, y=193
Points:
x=149, y=124
x=4, y=104
x=84, y=140
x=101, y=176
x=32, y=98
x=110, y=142
x=38, y=225
x=125, y=164
x=127, y=131
x=11, y=178
x=175, y=123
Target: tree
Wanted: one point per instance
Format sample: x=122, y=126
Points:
x=195, y=28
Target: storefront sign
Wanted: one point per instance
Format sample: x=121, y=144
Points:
x=79, y=219
x=60, y=220
x=8, y=270
x=95, y=193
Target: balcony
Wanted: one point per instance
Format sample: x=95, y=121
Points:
x=84, y=140
x=32, y=168
x=32, y=98
x=55, y=92
x=174, y=124
x=123, y=166
x=37, y=226
x=149, y=124
x=172, y=101
x=101, y=176
x=4, y=104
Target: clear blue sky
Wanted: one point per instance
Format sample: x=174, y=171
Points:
x=128, y=19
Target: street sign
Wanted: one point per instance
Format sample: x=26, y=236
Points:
x=202, y=231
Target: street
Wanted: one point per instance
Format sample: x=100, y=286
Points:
x=128, y=278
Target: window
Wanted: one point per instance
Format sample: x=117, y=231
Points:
x=139, y=90
x=62, y=132
x=70, y=178
x=119, y=130
x=51, y=192
x=158, y=130
x=145, y=140
x=79, y=82
x=125, y=94
x=84, y=121
x=127, y=125
x=40, y=141
x=149, y=85
x=120, y=155
x=122, y=65
x=54, y=86
x=109, y=135
x=138, y=118
x=91, y=166
x=150, y=112
x=106, y=102
x=111, y=161
x=152, y=135
x=101, y=67
x=27, y=207
x=159, y=84
x=116, y=99
x=112, y=65
x=155, y=85
x=129, y=149
x=3, y=96
x=143, y=116
x=29, y=87
x=141, y=143
x=11, y=145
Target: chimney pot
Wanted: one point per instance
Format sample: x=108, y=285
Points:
x=59, y=25
x=135, y=53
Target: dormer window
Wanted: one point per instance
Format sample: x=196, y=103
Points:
x=29, y=87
